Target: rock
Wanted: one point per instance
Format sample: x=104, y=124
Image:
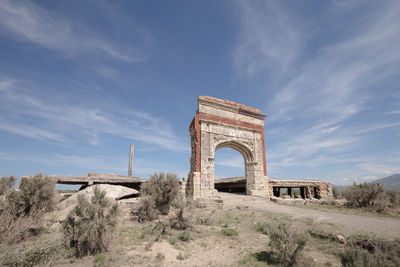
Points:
x=113, y=193
x=341, y=239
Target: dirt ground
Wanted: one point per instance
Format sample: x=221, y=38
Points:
x=224, y=234
x=372, y=225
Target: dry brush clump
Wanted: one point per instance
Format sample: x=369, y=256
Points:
x=286, y=244
x=371, y=196
x=364, y=252
x=22, y=210
x=89, y=226
x=181, y=220
x=157, y=194
x=6, y=183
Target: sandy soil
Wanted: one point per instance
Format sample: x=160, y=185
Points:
x=140, y=244
x=380, y=226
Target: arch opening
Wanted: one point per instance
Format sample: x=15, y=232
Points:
x=229, y=171
x=236, y=184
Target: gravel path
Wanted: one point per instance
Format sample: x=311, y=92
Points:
x=380, y=226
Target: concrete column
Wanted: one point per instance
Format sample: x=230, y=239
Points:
x=308, y=192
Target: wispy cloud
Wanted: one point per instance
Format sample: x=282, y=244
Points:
x=268, y=38
x=92, y=163
x=26, y=114
x=30, y=22
x=311, y=117
x=231, y=161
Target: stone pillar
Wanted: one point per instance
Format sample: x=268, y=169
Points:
x=308, y=192
x=255, y=181
x=290, y=192
x=317, y=192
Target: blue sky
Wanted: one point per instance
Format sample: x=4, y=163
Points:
x=81, y=80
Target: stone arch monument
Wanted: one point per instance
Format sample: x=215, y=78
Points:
x=222, y=123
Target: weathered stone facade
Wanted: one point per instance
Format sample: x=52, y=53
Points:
x=306, y=188
x=222, y=123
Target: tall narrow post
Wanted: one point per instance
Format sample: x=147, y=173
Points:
x=130, y=161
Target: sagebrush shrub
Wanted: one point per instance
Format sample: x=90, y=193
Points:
x=336, y=193
x=35, y=193
x=287, y=244
x=39, y=254
x=163, y=189
x=6, y=182
x=146, y=210
x=367, y=195
x=90, y=225
x=181, y=220
x=22, y=210
x=394, y=198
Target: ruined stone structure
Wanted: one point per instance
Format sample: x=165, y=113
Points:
x=308, y=188
x=222, y=123
x=281, y=187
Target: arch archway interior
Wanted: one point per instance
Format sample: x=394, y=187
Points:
x=229, y=171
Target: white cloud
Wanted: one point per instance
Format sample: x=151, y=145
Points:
x=232, y=161
x=28, y=115
x=46, y=28
x=308, y=116
x=269, y=38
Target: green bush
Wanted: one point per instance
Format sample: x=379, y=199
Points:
x=287, y=245
x=262, y=227
x=229, y=232
x=90, y=225
x=184, y=236
x=163, y=189
x=6, y=182
x=368, y=195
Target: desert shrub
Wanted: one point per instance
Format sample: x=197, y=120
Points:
x=180, y=220
x=16, y=228
x=336, y=193
x=35, y=193
x=184, y=236
x=173, y=240
x=354, y=256
x=394, y=198
x=6, y=182
x=89, y=226
x=146, y=210
x=287, y=245
x=38, y=254
x=163, y=189
x=229, y=232
x=22, y=210
x=262, y=227
x=367, y=195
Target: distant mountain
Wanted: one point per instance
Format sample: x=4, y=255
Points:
x=391, y=182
